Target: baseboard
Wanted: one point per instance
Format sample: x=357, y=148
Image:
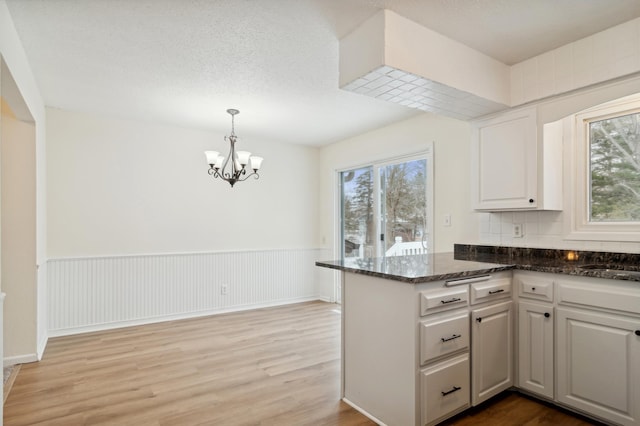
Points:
x=187, y=315
x=19, y=359
x=364, y=412
x=42, y=345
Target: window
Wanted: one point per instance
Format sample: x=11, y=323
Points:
x=384, y=208
x=606, y=202
x=614, y=164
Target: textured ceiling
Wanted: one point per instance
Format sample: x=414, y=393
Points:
x=186, y=61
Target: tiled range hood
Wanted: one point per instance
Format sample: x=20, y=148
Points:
x=395, y=59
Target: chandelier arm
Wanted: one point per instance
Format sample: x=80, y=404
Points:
x=226, y=177
x=257, y=176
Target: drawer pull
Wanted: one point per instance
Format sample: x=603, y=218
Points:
x=455, y=389
x=547, y=314
x=461, y=281
x=455, y=299
x=533, y=289
x=637, y=332
x=455, y=336
x=496, y=291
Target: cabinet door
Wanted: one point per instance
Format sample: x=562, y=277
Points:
x=491, y=351
x=599, y=364
x=504, y=162
x=535, y=348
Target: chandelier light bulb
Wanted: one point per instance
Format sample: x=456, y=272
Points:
x=256, y=162
x=212, y=156
x=243, y=157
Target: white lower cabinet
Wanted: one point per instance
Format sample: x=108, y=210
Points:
x=592, y=328
x=491, y=351
x=599, y=364
x=456, y=347
x=535, y=348
x=445, y=389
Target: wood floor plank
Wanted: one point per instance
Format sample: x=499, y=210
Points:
x=276, y=366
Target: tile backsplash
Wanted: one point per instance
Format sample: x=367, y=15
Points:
x=540, y=229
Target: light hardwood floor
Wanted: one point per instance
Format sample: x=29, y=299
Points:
x=276, y=366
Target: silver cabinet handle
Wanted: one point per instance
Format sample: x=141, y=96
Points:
x=469, y=280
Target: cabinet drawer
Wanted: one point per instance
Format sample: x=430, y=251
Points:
x=534, y=288
x=443, y=299
x=490, y=290
x=605, y=294
x=443, y=336
x=444, y=389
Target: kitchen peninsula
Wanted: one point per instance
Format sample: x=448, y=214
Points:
x=425, y=337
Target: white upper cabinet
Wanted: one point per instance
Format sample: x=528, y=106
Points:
x=515, y=167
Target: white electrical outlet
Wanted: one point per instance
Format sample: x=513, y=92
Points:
x=518, y=231
x=224, y=289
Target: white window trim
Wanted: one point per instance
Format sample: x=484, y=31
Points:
x=580, y=228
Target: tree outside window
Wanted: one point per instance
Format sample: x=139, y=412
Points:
x=384, y=209
x=615, y=169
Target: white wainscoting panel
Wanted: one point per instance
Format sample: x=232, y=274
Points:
x=87, y=294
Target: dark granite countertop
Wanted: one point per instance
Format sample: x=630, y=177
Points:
x=470, y=260
x=609, y=265
x=415, y=268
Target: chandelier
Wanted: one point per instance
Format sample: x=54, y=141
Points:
x=237, y=162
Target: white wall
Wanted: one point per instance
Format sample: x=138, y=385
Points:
x=119, y=187
x=139, y=232
x=19, y=239
x=15, y=58
x=600, y=57
x=451, y=157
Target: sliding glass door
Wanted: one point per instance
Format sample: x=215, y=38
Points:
x=385, y=208
x=358, y=226
x=403, y=208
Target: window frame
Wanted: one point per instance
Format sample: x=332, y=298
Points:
x=580, y=226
